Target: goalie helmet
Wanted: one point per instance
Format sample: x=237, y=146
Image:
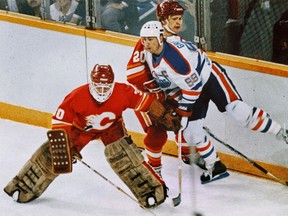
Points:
x=152, y=29
x=168, y=8
x=102, y=82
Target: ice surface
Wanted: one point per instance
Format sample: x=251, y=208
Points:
x=83, y=192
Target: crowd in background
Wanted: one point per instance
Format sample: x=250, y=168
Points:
x=125, y=16
x=238, y=35
x=116, y=15
x=72, y=11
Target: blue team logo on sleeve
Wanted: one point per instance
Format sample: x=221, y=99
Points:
x=161, y=79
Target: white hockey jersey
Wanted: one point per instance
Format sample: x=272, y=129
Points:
x=181, y=70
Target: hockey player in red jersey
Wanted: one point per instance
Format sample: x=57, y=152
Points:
x=94, y=111
x=180, y=68
x=170, y=13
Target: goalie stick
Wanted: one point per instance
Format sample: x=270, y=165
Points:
x=114, y=185
x=246, y=158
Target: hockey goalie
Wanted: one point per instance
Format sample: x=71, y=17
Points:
x=94, y=111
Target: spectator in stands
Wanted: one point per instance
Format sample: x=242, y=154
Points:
x=280, y=40
x=10, y=5
x=36, y=7
x=132, y=17
x=63, y=10
x=119, y=16
x=29, y=7
x=113, y=16
x=188, y=27
x=79, y=16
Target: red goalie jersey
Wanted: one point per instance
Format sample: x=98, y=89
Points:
x=86, y=119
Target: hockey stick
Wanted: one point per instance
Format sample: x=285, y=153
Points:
x=248, y=159
x=114, y=185
x=184, y=122
x=177, y=200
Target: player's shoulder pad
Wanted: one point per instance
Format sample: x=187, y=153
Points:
x=177, y=54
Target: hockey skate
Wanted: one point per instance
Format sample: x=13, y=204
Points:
x=192, y=159
x=283, y=135
x=218, y=171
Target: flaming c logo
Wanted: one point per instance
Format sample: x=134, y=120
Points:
x=100, y=122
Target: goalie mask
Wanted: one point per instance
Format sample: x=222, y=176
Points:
x=152, y=29
x=102, y=82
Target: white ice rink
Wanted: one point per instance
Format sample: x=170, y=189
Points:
x=85, y=193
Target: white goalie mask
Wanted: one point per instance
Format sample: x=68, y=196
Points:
x=102, y=82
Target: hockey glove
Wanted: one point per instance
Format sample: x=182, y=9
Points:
x=157, y=109
x=171, y=121
x=184, y=109
x=153, y=87
x=75, y=154
x=166, y=117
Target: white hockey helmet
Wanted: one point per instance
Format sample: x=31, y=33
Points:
x=102, y=82
x=152, y=29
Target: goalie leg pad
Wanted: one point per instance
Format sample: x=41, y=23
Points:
x=126, y=161
x=34, y=178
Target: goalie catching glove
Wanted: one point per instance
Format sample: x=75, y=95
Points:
x=166, y=117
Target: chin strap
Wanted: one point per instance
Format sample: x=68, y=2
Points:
x=168, y=29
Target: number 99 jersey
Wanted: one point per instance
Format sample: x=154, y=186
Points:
x=181, y=69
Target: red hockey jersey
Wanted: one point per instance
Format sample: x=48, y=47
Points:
x=138, y=71
x=80, y=110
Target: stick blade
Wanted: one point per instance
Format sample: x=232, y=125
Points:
x=176, y=200
x=284, y=182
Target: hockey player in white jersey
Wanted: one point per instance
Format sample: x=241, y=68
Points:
x=185, y=73
x=170, y=14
